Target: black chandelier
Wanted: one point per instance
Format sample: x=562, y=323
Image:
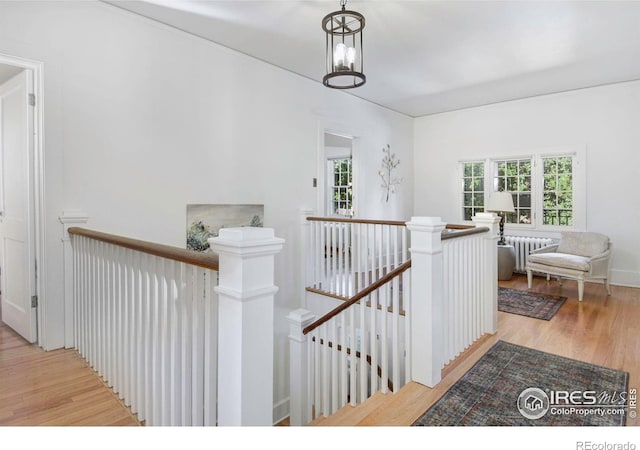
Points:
x=343, y=31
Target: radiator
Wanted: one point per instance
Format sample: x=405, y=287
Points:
x=522, y=246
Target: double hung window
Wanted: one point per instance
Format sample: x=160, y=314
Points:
x=543, y=188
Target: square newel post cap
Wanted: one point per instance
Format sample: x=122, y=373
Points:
x=299, y=319
x=246, y=241
x=427, y=224
x=486, y=217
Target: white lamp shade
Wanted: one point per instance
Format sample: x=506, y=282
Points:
x=501, y=202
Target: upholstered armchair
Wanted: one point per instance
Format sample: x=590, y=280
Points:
x=579, y=256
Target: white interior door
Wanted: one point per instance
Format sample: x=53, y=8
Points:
x=17, y=257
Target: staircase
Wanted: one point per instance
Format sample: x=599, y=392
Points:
x=411, y=401
x=408, y=324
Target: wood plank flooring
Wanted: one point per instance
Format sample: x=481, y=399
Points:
x=59, y=388
x=53, y=388
x=600, y=330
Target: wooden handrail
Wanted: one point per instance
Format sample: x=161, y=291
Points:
x=357, y=297
x=464, y=232
x=364, y=221
x=397, y=223
x=206, y=260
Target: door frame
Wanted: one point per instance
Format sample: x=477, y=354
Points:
x=321, y=160
x=38, y=224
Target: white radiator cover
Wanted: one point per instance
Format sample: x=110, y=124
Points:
x=523, y=246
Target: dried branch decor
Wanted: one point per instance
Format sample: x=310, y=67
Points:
x=389, y=163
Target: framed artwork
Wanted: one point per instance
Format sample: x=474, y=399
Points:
x=205, y=221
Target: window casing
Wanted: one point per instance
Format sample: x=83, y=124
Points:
x=547, y=188
x=472, y=189
x=514, y=175
x=340, y=177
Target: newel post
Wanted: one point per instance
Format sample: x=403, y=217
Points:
x=490, y=270
x=246, y=293
x=299, y=408
x=69, y=219
x=427, y=295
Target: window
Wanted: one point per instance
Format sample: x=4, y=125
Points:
x=558, y=191
x=472, y=189
x=341, y=190
x=543, y=188
x=514, y=176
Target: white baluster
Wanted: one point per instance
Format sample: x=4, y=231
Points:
x=395, y=332
x=384, y=355
x=363, y=351
x=176, y=298
x=353, y=360
x=332, y=326
x=198, y=353
x=324, y=363
x=187, y=346
x=344, y=369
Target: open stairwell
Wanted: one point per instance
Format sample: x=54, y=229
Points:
x=399, y=324
x=411, y=401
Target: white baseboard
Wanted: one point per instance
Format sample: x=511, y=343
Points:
x=628, y=278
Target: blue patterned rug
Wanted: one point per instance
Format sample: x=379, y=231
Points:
x=513, y=385
x=530, y=304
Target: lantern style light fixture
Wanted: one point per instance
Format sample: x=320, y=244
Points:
x=343, y=31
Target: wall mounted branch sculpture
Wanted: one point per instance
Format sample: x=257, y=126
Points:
x=389, y=164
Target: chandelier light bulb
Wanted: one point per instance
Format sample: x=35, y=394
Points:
x=339, y=56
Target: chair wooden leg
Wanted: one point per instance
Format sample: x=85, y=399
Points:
x=607, y=286
x=548, y=277
x=529, y=278
x=580, y=289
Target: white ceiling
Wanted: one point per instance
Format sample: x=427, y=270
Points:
x=424, y=57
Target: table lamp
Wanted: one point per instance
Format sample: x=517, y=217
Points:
x=502, y=203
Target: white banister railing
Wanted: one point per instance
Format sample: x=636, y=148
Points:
x=148, y=326
x=350, y=354
x=347, y=255
x=447, y=299
x=454, y=291
x=465, y=261
x=146, y=318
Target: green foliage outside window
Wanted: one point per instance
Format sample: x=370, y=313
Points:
x=472, y=189
x=554, y=184
x=342, y=189
x=515, y=176
x=558, y=191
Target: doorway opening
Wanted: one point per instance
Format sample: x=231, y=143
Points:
x=21, y=194
x=338, y=196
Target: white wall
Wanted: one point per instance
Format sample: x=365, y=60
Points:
x=602, y=120
x=142, y=119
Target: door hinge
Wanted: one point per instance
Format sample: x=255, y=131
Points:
x=32, y=99
x=34, y=301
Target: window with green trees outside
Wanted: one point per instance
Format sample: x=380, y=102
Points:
x=542, y=188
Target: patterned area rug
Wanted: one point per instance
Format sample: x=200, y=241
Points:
x=513, y=385
x=530, y=304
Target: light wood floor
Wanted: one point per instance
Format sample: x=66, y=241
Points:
x=600, y=330
x=53, y=388
x=59, y=388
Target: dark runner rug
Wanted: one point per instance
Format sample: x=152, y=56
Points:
x=513, y=385
x=530, y=304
